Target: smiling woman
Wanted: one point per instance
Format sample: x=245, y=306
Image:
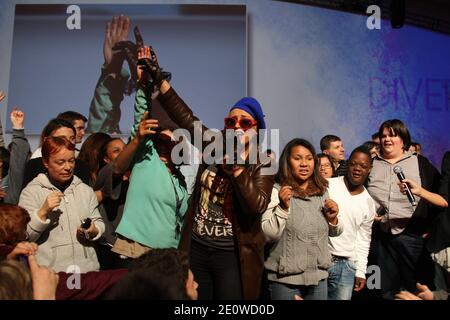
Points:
x=404, y=225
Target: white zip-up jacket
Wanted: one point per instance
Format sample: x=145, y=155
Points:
x=59, y=246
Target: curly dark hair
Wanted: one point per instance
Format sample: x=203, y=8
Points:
x=159, y=274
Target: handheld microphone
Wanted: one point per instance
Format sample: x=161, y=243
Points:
x=401, y=176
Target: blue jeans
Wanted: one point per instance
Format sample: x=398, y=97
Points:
x=281, y=291
x=341, y=279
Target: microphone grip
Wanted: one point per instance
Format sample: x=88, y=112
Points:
x=409, y=194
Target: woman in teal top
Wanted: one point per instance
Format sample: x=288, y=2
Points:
x=156, y=199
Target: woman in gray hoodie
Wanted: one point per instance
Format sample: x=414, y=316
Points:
x=58, y=203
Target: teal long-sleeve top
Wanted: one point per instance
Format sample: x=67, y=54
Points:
x=150, y=208
x=104, y=111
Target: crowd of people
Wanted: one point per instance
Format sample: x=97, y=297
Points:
x=123, y=220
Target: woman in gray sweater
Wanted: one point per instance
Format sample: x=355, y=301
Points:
x=298, y=221
x=59, y=204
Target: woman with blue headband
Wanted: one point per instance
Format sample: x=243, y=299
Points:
x=222, y=227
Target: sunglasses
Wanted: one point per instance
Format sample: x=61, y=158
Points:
x=244, y=123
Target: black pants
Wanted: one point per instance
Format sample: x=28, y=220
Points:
x=216, y=271
x=403, y=262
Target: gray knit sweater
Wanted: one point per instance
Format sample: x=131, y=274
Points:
x=299, y=255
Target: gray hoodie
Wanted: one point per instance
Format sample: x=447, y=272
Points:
x=59, y=247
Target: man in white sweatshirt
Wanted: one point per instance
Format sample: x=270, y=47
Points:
x=357, y=211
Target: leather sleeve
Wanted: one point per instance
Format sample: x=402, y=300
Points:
x=254, y=190
x=182, y=115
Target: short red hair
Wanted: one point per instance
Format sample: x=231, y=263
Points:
x=13, y=223
x=53, y=145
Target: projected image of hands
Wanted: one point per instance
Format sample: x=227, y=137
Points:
x=83, y=58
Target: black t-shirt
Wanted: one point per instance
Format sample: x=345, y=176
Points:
x=211, y=227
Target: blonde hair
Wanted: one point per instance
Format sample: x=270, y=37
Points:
x=15, y=281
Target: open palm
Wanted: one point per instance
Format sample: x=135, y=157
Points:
x=116, y=31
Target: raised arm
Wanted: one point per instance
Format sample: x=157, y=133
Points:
x=143, y=101
x=176, y=108
x=142, y=126
x=104, y=111
x=20, y=149
x=253, y=190
x=123, y=160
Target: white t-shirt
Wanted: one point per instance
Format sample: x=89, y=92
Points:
x=356, y=213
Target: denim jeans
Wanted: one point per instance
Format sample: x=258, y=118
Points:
x=281, y=291
x=341, y=279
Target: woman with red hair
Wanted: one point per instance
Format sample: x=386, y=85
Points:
x=58, y=203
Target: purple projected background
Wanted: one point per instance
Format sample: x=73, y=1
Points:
x=413, y=84
x=335, y=76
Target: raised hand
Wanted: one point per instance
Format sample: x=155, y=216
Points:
x=146, y=127
x=155, y=70
x=116, y=31
x=143, y=65
x=44, y=280
x=53, y=200
x=330, y=211
x=23, y=248
x=17, y=118
x=129, y=50
x=149, y=63
x=285, y=196
x=2, y=95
